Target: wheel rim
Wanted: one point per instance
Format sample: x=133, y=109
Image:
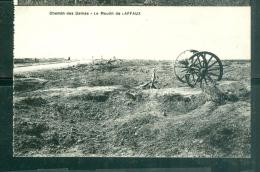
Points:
x=197, y=71
x=181, y=64
x=208, y=74
x=215, y=67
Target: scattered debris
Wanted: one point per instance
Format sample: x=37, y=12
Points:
x=151, y=84
x=105, y=64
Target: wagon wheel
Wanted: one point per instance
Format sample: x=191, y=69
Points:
x=181, y=64
x=197, y=71
x=215, y=67
x=211, y=72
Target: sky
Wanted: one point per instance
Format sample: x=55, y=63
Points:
x=158, y=33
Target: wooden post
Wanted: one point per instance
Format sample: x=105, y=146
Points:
x=152, y=82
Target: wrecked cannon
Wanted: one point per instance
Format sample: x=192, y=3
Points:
x=198, y=68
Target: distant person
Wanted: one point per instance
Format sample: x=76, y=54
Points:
x=68, y=58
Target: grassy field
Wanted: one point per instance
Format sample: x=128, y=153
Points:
x=87, y=110
x=36, y=61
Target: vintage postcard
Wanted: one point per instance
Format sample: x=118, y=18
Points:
x=131, y=81
x=133, y=2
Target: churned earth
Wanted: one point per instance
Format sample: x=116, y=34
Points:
x=99, y=110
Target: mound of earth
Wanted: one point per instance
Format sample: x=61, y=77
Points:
x=29, y=84
x=228, y=91
x=113, y=121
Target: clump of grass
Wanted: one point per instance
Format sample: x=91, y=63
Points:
x=127, y=132
x=26, y=83
x=34, y=101
x=30, y=128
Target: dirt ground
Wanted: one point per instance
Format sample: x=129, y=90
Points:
x=83, y=110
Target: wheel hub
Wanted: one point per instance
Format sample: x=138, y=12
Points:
x=203, y=72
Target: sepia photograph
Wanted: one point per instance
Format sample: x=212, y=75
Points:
x=168, y=82
x=133, y=2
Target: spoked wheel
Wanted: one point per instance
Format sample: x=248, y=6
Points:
x=215, y=67
x=197, y=70
x=182, y=63
x=208, y=74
